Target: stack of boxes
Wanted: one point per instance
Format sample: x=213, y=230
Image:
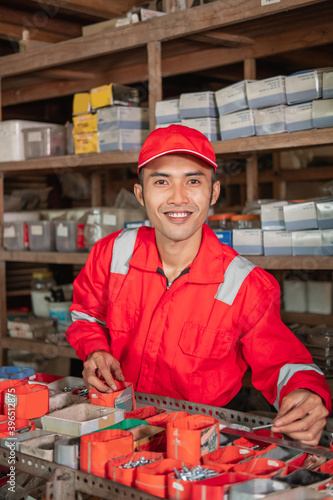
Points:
x=109, y=118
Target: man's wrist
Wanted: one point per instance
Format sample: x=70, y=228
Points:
x=93, y=352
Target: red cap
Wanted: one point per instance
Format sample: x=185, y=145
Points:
x=176, y=139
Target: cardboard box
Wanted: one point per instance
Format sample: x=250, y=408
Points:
x=277, y=243
x=114, y=94
x=319, y=297
x=270, y=120
x=121, y=139
x=327, y=241
x=239, y=124
x=299, y=216
x=198, y=105
x=294, y=296
x=305, y=85
x=272, y=218
x=328, y=85
x=81, y=103
x=167, y=112
x=248, y=241
x=306, y=242
x=264, y=93
x=325, y=214
x=323, y=113
x=85, y=123
x=299, y=117
x=134, y=225
x=145, y=433
x=86, y=143
x=122, y=117
x=232, y=98
x=165, y=125
x=207, y=126
x=224, y=237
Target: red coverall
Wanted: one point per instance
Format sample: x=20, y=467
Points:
x=195, y=339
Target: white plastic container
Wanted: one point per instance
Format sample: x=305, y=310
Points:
x=294, y=296
x=11, y=138
x=15, y=236
x=44, y=141
x=69, y=236
x=41, y=236
x=60, y=311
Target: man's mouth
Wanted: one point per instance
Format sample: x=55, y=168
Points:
x=177, y=216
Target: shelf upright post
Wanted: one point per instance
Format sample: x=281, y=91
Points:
x=3, y=291
x=252, y=184
x=96, y=189
x=154, y=78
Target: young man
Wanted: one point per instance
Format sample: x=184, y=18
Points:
x=179, y=314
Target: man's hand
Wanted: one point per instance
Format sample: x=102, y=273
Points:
x=302, y=416
x=101, y=363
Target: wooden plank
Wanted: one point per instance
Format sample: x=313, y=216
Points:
x=222, y=39
x=309, y=262
x=97, y=8
x=209, y=16
x=18, y=293
x=96, y=189
x=43, y=257
x=252, y=186
x=50, y=351
x=307, y=318
x=154, y=79
x=13, y=33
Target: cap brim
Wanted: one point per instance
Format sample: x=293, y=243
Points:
x=184, y=151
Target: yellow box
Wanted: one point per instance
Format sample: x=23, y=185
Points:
x=86, y=143
x=81, y=103
x=112, y=94
x=85, y=123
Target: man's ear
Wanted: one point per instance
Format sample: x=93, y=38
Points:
x=216, y=192
x=139, y=194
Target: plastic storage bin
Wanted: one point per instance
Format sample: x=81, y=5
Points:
x=41, y=236
x=220, y=221
x=249, y=221
x=15, y=229
x=69, y=236
x=44, y=141
x=11, y=138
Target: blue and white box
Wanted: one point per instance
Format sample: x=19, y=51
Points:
x=136, y=224
x=264, y=93
x=165, y=125
x=122, y=117
x=198, y=105
x=239, y=124
x=299, y=216
x=325, y=214
x=327, y=241
x=167, y=112
x=224, y=237
x=248, y=241
x=270, y=120
x=299, y=116
x=121, y=139
x=207, y=126
x=323, y=113
x=306, y=242
x=305, y=85
x=277, y=243
x=272, y=218
x=232, y=98
x=328, y=85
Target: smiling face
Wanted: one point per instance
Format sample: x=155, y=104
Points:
x=178, y=192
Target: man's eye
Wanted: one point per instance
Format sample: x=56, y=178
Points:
x=160, y=181
x=193, y=181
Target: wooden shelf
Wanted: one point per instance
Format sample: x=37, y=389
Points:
x=287, y=175
x=50, y=351
x=307, y=318
x=277, y=262
x=247, y=145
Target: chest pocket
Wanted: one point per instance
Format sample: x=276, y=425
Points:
x=121, y=318
x=205, y=343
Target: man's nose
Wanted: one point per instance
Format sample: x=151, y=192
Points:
x=178, y=195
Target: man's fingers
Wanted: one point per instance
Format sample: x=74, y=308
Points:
x=116, y=370
x=309, y=436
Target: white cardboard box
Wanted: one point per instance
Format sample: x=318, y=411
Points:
x=270, y=120
x=232, y=98
x=299, y=216
x=277, y=243
x=327, y=241
x=328, y=85
x=306, y=242
x=122, y=117
x=325, y=214
x=264, y=93
x=167, y=111
x=299, y=117
x=323, y=113
x=305, y=85
x=272, y=216
x=319, y=297
x=207, y=126
x=239, y=124
x=198, y=105
x=121, y=139
x=294, y=296
x=248, y=241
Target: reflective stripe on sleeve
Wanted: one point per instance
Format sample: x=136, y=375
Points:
x=234, y=276
x=287, y=371
x=80, y=316
x=123, y=250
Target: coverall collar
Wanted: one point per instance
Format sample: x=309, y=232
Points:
x=207, y=267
